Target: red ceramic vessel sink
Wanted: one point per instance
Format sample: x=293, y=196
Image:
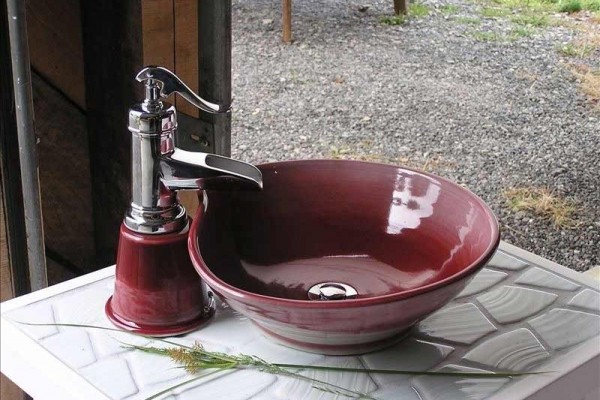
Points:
x=390, y=245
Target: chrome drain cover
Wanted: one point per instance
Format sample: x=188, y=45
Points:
x=331, y=291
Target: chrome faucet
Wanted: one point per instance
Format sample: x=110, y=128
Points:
x=159, y=168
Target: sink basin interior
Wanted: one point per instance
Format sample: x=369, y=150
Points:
x=381, y=229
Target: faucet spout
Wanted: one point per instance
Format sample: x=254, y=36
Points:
x=183, y=169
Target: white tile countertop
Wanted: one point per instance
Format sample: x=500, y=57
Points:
x=520, y=313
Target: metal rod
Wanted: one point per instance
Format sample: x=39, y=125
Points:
x=214, y=64
x=11, y=170
x=19, y=51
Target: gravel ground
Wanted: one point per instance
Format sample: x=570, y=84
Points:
x=489, y=115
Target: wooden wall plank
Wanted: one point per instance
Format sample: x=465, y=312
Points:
x=158, y=34
x=65, y=177
x=170, y=36
x=56, y=53
x=186, y=66
x=186, y=50
x=55, y=45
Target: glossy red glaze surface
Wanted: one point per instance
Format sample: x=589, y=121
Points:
x=157, y=292
x=405, y=240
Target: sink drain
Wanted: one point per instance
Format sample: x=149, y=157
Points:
x=331, y=291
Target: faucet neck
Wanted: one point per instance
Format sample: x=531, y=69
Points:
x=154, y=208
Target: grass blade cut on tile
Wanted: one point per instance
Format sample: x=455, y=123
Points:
x=196, y=358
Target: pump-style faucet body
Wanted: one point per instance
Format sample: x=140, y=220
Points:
x=159, y=168
x=157, y=291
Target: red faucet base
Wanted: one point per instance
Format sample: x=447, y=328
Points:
x=157, y=291
x=155, y=331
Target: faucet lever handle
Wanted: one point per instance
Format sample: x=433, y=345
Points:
x=163, y=82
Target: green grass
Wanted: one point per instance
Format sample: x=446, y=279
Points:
x=449, y=9
x=487, y=36
x=394, y=20
x=494, y=12
x=547, y=6
x=571, y=6
x=568, y=49
x=520, y=32
x=592, y=5
x=538, y=6
x=468, y=20
x=415, y=10
x=515, y=34
x=527, y=16
x=418, y=10
x=537, y=21
x=572, y=50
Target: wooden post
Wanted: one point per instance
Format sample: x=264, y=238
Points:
x=401, y=7
x=214, y=68
x=286, y=11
